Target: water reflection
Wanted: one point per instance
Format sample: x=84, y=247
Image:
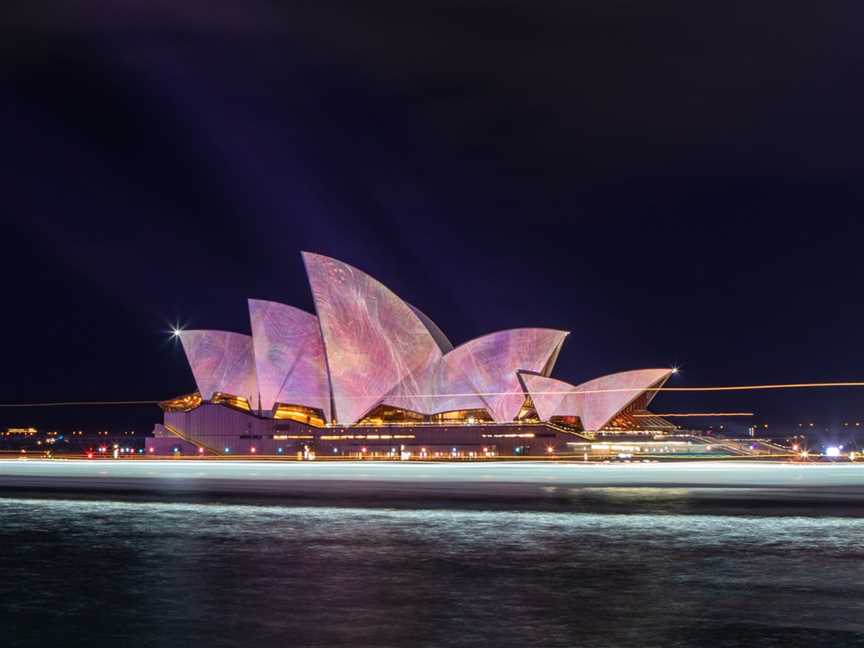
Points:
x=100, y=573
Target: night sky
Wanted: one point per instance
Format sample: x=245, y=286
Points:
x=673, y=182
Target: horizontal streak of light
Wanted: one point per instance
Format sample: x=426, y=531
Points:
x=700, y=414
x=73, y=403
x=728, y=388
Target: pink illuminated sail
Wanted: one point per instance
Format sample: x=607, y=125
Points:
x=289, y=356
x=221, y=362
x=441, y=387
x=490, y=363
x=546, y=393
x=372, y=339
x=595, y=402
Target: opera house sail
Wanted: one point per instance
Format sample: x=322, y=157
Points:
x=289, y=356
x=222, y=363
x=597, y=402
x=368, y=359
x=372, y=339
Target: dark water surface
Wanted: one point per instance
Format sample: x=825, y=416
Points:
x=94, y=573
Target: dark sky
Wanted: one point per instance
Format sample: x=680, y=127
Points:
x=673, y=182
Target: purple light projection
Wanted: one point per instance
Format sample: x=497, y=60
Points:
x=588, y=401
x=221, y=362
x=490, y=362
x=372, y=338
x=289, y=356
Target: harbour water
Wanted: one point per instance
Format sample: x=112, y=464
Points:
x=135, y=573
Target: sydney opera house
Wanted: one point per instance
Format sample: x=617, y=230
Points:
x=370, y=375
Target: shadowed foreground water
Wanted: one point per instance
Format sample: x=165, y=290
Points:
x=178, y=574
